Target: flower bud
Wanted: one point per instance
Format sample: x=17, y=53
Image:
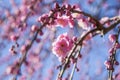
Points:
x=112, y=37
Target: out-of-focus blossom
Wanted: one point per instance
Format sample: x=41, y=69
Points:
x=64, y=21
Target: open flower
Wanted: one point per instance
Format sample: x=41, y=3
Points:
x=62, y=45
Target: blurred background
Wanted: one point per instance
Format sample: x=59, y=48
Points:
x=17, y=17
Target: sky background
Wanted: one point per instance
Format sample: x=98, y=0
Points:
x=94, y=55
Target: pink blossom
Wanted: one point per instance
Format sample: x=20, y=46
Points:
x=62, y=22
x=23, y=48
x=62, y=46
x=34, y=28
x=117, y=46
x=107, y=64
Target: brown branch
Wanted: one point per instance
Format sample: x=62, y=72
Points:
x=99, y=28
x=22, y=59
x=105, y=30
x=95, y=21
x=60, y=74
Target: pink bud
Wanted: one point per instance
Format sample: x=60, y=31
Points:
x=116, y=63
x=80, y=56
x=73, y=60
x=112, y=37
x=12, y=51
x=90, y=1
x=107, y=63
x=68, y=6
x=23, y=48
x=74, y=39
x=39, y=19
x=74, y=6
x=38, y=40
x=57, y=5
x=55, y=15
x=110, y=67
x=111, y=51
x=34, y=28
x=40, y=33
x=14, y=37
x=9, y=69
x=27, y=63
x=117, y=46
x=77, y=69
x=12, y=70
x=68, y=13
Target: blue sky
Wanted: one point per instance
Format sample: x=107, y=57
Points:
x=98, y=50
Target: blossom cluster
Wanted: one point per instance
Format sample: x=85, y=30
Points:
x=60, y=15
x=112, y=51
x=113, y=38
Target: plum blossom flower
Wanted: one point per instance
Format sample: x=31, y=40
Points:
x=83, y=24
x=64, y=21
x=62, y=45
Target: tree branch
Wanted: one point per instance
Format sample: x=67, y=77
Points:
x=100, y=28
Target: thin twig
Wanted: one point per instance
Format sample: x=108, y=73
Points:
x=113, y=58
x=74, y=66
